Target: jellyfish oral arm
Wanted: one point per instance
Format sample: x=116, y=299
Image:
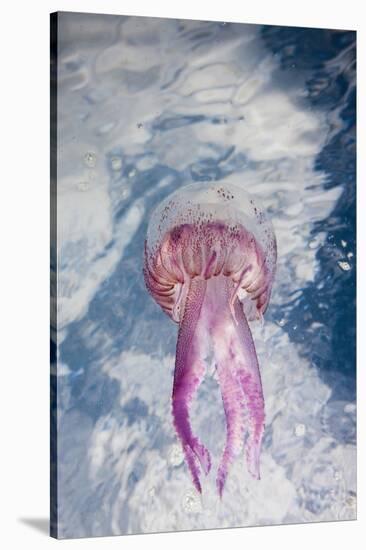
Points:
x=251, y=384
x=189, y=371
x=209, y=320
x=238, y=375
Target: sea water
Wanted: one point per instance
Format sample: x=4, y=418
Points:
x=148, y=105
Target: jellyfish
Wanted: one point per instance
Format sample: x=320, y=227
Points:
x=209, y=263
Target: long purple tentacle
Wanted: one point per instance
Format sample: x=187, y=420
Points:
x=250, y=380
x=233, y=401
x=239, y=379
x=189, y=371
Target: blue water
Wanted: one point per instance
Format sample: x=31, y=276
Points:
x=148, y=105
x=334, y=348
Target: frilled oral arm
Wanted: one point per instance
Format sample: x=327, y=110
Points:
x=212, y=320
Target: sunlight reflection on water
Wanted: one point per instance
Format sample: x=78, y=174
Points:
x=148, y=105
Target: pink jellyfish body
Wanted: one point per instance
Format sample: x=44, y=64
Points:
x=210, y=256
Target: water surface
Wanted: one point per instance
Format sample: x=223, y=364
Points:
x=148, y=105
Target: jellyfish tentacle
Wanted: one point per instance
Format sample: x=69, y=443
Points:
x=232, y=398
x=239, y=379
x=223, y=337
x=250, y=380
x=190, y=368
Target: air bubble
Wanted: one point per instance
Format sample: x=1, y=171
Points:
x=116, y=163
x=191, y=503
x=351, y=501
x=124, y=192
x=337, y=475
x=175, y=456
x=314, y=243
x=300, y=430
x=345, y=266
x=90, y=159
x=151, y=492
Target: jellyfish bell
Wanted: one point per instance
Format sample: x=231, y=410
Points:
x=210, y=256
x=207, y=230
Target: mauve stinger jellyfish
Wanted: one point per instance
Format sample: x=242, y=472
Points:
x=210, y=256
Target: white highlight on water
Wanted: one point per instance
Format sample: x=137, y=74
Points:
x=307, y=474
